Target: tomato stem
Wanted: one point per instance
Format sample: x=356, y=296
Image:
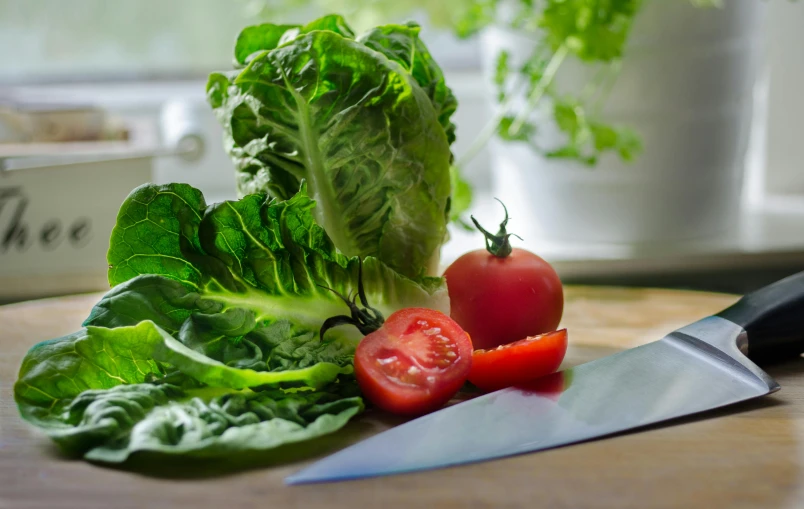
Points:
x=367, y=319
x=498, y=244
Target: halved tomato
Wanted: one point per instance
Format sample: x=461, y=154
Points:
x=519, y=362
x=414, y=363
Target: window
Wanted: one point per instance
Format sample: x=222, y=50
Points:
x=89, y=40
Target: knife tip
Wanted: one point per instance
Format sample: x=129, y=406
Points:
x=310, y=476
x=293, y=480
x=306, y=477
x=300, y=478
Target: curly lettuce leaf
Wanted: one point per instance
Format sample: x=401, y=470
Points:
x=366, y=124
x=268, y=36
x=223, y=426
x=401, y=43
x=101, y=358
x=88, y=391
x=250, y=263
x=229, y=335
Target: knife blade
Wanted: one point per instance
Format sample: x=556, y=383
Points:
x=699, y=367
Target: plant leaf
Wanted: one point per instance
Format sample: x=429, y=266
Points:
x=89, y=391
x=270, y=259
x=359, y=128
x=268, y=36
x=401, y=43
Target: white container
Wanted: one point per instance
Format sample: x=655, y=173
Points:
x=55, y=223
x=686, y=87
x=785, y=101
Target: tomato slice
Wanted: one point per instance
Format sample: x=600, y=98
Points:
x=414, y=363
x=549, y=386
x=519, y=362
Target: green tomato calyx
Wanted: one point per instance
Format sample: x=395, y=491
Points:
x=498, y=244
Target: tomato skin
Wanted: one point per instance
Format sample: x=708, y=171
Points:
x=549, y=386
x=414, y=363
x=518, y=363
x=501, y=300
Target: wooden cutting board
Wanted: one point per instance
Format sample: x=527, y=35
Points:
x=749, y=455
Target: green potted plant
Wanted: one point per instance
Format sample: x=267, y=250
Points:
x=615, y=121
x=639, y=135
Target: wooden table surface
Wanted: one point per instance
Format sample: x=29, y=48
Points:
x=746, y=456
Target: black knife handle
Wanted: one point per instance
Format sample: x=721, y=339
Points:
x=773, y=317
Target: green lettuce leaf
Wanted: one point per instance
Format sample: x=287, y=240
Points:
x=223, y=426
x=366, y=122
x=229, y=335
x=101, y=358
x=89, y=392
x=401, y=43
x=247, y=263
x=268, y=36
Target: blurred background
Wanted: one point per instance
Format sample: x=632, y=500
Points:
x=675, y=163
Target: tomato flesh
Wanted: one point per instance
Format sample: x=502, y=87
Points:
x=519, y=362
x=501, y=300
x=414, y=363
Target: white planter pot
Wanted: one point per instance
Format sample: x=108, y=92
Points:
x=686, y=87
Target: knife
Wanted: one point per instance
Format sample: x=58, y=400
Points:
x=699, y=367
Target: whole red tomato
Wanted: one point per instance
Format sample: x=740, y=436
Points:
x=503, y=294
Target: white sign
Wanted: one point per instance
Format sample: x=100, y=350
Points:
x=55, y=224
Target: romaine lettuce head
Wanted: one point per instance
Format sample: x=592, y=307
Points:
x=208, y=343
x=364, y=120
